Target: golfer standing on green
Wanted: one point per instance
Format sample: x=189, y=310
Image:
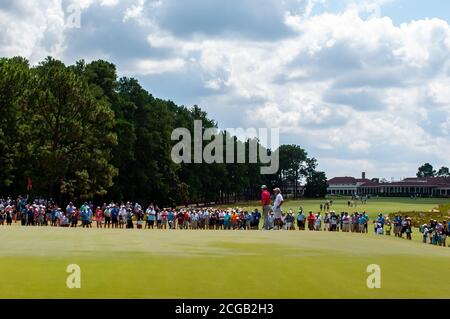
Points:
x=277, y=208
x=265, y=200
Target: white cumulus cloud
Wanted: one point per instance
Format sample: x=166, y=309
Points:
x=350, y=86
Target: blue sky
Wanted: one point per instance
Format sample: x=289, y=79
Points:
x=399, y=11
x=361, y=85
x=406, y=10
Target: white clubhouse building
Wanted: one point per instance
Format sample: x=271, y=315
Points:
x=414, y=186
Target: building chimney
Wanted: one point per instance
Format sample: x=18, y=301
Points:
x=363, y=175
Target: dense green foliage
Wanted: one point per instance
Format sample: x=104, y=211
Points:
x=427, y=170
x=79, y=132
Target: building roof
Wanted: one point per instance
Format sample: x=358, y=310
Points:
x=369, y=183
x=407, y=182
x=421, y=182
x=342, y=180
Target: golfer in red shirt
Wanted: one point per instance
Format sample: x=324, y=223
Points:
x=265, y=201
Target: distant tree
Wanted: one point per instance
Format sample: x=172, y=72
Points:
x=443, y=172
x=293, y=164
x=316, y=185
x=426, y=170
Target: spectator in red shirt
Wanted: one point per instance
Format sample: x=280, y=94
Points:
x=99, y=217
x=311, y=221
x=186, y=220
x=180, y=220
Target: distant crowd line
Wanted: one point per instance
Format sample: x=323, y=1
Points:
x=129, y=215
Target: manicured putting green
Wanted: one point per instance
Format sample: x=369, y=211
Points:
x=216, y=264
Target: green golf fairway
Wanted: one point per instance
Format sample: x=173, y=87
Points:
x=216, y=264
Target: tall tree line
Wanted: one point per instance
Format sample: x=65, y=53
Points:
x=79, y=132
